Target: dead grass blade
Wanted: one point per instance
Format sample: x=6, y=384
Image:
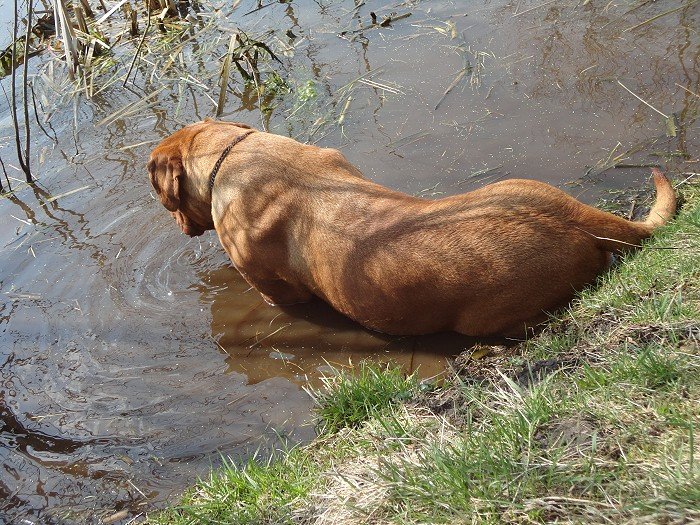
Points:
x=642, y=100
x=110, y=12
x=71, y=192
x=225, y=70
x=533, y=8
x=670, y=11
x=67, y=35
x=129, y=109
x=454, y=83
x=686, y=89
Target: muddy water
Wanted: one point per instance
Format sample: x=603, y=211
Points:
x=132, y=357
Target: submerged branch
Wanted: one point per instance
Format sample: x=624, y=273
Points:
x=25, y=98
x=138, y=49
x=13, y=104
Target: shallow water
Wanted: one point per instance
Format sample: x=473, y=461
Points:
x=133, y=357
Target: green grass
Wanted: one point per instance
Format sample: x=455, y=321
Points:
x=253, y=493
x=611, y=438
x=350, y=398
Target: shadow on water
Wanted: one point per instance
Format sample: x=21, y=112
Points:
x=132, y=358
x=301, y=342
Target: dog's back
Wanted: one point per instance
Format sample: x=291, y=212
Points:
x=488, y=262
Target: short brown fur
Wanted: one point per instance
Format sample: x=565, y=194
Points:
x=298, y=221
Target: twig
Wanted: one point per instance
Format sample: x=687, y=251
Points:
x=138, y=49
x=15, y=122
x=260, y=7
x=114, y=8
x=138, y=144
x=686, y=89
x=638, y=6
x=269, y=335
x=25, y=101
x=533, y=8
x=136, y=488
x=642, y=100
x=377, y=85
x=459, y=77
x=636, y=165
x=341, y=118
x=71, y=192
x=36, y=117
x=9, y=186
x=133, y=520
x=479, y=173
x=689, y=4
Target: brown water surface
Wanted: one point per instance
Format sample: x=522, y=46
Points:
x=133, y=357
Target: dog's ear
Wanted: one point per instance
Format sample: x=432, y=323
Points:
x=165, y=173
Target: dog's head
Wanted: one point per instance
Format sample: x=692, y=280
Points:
x=184, y=194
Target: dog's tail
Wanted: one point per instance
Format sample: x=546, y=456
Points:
x=665, y=205
x=616, y=234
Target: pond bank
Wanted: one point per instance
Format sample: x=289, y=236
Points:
x=594, y=420
x=131, y=357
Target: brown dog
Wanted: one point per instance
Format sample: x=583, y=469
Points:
x=298, y=220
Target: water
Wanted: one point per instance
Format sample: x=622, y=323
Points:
x=133, y=357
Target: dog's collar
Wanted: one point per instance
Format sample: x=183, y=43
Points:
x=222, y=157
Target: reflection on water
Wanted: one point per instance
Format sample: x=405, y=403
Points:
x=132, y=357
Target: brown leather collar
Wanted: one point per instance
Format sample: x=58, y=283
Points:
x=223, y=156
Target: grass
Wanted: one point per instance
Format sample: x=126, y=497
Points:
x=348, y=399
x=513, y=437
x=254, y=493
